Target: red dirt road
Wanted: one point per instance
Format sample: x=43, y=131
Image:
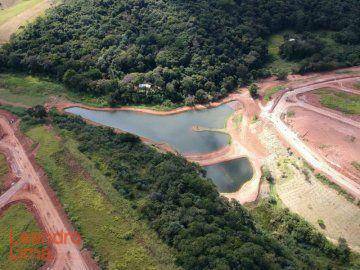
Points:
x=30, y=188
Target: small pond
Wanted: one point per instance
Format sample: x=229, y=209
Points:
x=230, y=175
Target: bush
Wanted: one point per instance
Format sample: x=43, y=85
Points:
x=253, y=90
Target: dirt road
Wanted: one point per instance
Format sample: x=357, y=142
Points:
x=68, y=256
x=11, y=26
x=274, y=114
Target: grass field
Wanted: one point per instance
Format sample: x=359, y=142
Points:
x=357, y=85
x=27, y=90
x=341, y=101
x=21, y=6
x=31, y=91
x=3, y=169
x=3, y=165
x=20, y=220
x=107, y=222
x=271, y=91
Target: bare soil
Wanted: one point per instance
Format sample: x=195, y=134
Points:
x=336, y=141
x=8, y=3
x=11, y=26
x=33, y=187
x=313, y=99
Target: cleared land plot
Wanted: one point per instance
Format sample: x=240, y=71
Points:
x=106, y=221
x=8, y=3
x=11, y=19
x=15, y=8
x=19, y=219
x=302, y=193
x=315, y=201
x=337, y=142
x=344, y=102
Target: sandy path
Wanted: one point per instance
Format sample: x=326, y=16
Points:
x=289, y=99
x=12, y=25
x=68, y=256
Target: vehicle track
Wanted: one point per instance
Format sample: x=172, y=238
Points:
x=30, y=188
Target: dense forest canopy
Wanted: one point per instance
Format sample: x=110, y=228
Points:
x=204, y=229
x=188, y=51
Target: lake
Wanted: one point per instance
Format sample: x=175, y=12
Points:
x=177, y=131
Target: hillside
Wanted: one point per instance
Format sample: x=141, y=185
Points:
x=188, y=51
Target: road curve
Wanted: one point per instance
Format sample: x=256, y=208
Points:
x=275, y=113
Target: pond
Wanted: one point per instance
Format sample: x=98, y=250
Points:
x=177, y=130
x=230, y=175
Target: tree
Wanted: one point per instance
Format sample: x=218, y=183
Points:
x=38, y=112
x=281, y=74
x=201, y=96
x=344, y=250
x=253, y=90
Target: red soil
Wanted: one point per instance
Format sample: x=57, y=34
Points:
x=337, y=142
x=33, y=188
x=313, y=98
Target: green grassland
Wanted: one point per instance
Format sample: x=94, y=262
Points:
x=11, y=12
x=3, y=165
x=357, y=85
x=3, y=170
x=20, y=220
x=341, y=101
x=27, y=90
x=271, y=91
x=31, y=90
x=107, y=222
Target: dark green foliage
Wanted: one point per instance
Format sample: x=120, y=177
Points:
x=253, y=90
x=38, y=112
x=314, y=54
x=297, y=47
x=184, y=207
x=312, y=248
x=184, y=49
x=281, y=74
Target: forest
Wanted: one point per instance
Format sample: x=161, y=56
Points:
x=178, y=201
x=184, y=52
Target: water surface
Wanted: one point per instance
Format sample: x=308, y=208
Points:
x=175, y=129
x=230, y=175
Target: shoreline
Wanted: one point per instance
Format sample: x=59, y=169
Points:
x=248, y=191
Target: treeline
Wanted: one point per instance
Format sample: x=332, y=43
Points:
x=185, y=209
x=187, y=51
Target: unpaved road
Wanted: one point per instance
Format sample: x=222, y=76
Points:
x=289, y=99
x=11, y=26
x=67, y=256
